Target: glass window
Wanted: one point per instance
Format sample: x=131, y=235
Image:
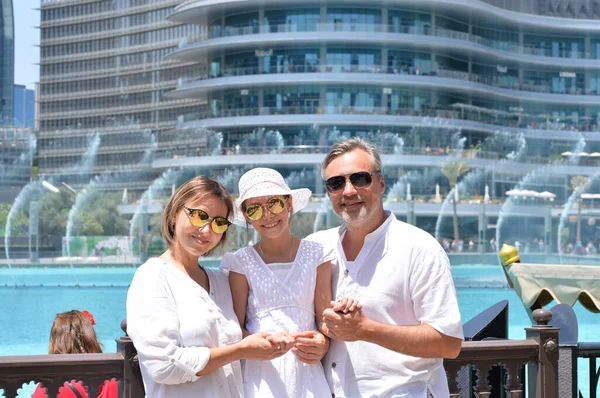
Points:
x=300, y=98
x=411, y=22
x=354, y=20
x=559, y=47
x=410, y=62
x=353, y=60
x=299, y=20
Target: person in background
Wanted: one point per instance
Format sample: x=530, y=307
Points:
x=73, y=333
x=180, y=315
x=409, y=321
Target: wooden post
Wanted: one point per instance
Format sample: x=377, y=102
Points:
x=132, y=385
x=543, y=374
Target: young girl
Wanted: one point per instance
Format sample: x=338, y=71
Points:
x=278, y=285
x=73, y=333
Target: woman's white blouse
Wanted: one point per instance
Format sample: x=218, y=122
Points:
x=173, y=323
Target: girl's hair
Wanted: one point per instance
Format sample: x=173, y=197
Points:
x=195, y=189
x=73, y=333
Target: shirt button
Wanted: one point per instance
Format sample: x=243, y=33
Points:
x=172, y=360
x=346, y=272
x=332, y=395
x=333, y=365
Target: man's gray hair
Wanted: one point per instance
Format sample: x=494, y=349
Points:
x=350, y=145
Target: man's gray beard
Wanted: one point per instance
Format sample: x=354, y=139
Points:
x=355, y=218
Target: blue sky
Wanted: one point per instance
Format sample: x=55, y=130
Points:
x=27, y=39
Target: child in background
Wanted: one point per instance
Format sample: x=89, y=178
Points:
x=73, y=333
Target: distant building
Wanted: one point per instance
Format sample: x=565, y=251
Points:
x=7, y=62
x=102, y=72
x=24, y=115
x=17, y=149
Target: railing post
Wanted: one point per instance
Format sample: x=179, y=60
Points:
x=542, y=378
x=132, y=385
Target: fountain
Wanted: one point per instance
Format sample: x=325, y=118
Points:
x=81, y=198
x=82, y=167
x=477, y=177
x=147, y=198
x=541, y=176
x=261, y=138
x=576, y=196
x=325, y=210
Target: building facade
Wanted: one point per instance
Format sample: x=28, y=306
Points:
x=102, y=72
x=425, y=72
x=17, y=151
x=7, y=62
x=24, y=108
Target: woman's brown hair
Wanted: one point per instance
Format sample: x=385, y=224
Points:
x=73, y=333
x=195, y=189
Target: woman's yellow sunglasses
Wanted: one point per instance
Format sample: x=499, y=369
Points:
x=199, y=218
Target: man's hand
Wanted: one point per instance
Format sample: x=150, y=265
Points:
x=311, y=346
x=345, y=305
x=345, y=327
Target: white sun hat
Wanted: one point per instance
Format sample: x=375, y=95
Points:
x=266, y=182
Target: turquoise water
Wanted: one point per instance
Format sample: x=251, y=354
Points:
x=27, y=310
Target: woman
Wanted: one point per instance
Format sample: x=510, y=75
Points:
x=278, y=285
x=73, y=333
x=180, y=315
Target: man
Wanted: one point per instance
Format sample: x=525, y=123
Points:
x=409, y=321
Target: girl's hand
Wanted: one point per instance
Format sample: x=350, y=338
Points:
x=346, y=305
x=283, y=341
x=258, y=347
x=311, y=346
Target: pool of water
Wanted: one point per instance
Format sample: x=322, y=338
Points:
x=31, y=298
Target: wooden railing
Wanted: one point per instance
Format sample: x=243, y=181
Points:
x=539, y=350
x=53, y=370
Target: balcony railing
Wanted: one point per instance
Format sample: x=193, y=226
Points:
x=500, y=46
x=124, y=109
x=107, y=72
x=86, y=132
x=109, y=52
x=454, y=111
x=139, y=88
x=414, y=71
x=78, y=37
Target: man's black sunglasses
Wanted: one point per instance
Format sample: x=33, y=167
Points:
x=360, y=179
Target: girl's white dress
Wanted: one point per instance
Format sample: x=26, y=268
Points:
x=281, y=304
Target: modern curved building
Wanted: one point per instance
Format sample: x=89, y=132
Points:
x=419, y=70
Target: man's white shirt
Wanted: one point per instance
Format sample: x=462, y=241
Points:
x=401, y=276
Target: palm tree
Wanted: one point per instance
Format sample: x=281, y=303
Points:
x=579, y=184
x=453, y=171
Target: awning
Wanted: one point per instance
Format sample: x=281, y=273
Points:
x=565, y=284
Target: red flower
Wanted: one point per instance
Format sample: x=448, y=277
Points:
x=89, y=316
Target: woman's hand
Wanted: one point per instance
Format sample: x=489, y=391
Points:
x=345, y=305
x=258, y=347
x=310, y=346
x=283, y=341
